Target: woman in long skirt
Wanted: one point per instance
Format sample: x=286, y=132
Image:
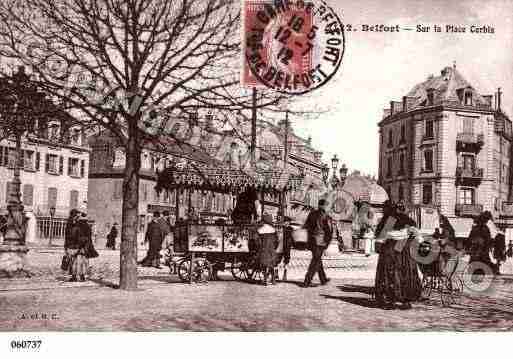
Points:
x=397, y=278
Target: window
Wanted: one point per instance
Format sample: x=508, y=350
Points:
x=466, y=196
x=156, y=196
x=53, y=163
x=11, y=153
x=144, y=191
x=389, y=167
x=73, y=199
x=401, y=192
x=3, y=156
x=28, y=160
x=468, y=125
x=52, y=197
x=401, y=164
x=390, y=138
x=403, y=134
x=468, y=98
x=53, y=132
x=430, y=97
x=28, y=195
x=429, y=131
x=118, y=189
x=38, y=161
x=427, y=193
x=75, y=137
x=82, y=168
x=428, y=160
x=73, y=167
x=468, y=162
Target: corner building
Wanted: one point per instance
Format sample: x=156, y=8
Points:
x=448, y=146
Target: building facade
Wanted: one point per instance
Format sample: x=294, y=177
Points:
x=54, y=178
x=448, y=146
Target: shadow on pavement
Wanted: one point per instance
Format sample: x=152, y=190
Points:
x=361, y=301
x=104, y=283
x=357, y=289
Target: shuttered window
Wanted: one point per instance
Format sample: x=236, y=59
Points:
x=73, y=199
x=28, y=195
x=52, y=197
x=61, y=165
x=38, y=160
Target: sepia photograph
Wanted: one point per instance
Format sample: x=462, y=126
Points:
x=255, y=166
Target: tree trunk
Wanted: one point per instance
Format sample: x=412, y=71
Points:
x=130, y=212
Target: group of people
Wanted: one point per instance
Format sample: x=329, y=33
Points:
x=78, y=246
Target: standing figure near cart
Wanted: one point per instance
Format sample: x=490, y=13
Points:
x=397, y=277
x=267, y=243
x=155, y=237
x=247, y=207
x=319, y=227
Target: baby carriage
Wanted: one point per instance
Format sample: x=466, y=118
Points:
x=438, y=264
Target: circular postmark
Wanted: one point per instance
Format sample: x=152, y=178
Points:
x=293, y=47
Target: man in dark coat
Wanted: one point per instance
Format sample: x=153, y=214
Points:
x=320, y=231
x=154, y=236
x=111, y=237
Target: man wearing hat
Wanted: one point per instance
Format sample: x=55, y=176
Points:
x=155, y=236
x=320, y=231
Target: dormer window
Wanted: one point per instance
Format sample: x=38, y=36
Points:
x=430, y=96
x=468, y=98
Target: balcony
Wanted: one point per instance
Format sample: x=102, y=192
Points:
x=468, y=210
x=468, y=141
x=474, y=174
x=507, y=209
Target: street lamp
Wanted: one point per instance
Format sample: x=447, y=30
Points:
x=52, y=226
x=336, y=182
x=21, y=106
x=334, y=163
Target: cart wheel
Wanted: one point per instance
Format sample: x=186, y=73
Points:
x=201, y=270
x=427, y=286
x=183, y=270
x=450, y=291
x=239, y=270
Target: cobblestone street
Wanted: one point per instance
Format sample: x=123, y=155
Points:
x=47, y=302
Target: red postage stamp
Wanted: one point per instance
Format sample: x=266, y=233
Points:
x=290, y=46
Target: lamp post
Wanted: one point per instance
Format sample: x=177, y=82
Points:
x=52, y=225
x=21, y=105
x=335, y=182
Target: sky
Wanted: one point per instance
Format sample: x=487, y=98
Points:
x=380, y=67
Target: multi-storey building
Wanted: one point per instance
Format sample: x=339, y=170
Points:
x=447, y=145
x=53, y=177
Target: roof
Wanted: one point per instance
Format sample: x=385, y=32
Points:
x=448, y=89
x=445, y=88
x=365, y=189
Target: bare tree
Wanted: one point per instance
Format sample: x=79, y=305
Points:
x=132, y=67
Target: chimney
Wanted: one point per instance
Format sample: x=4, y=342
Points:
x=499, y=95
x=408, y=102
